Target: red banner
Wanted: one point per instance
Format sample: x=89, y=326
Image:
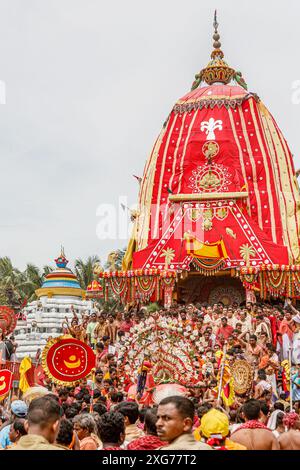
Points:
x=67, y=359
x=5, y=381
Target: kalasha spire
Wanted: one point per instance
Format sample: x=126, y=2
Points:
x=216, y=36
x=61, y=261
x=217, y=70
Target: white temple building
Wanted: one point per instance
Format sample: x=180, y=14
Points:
x=59, y=294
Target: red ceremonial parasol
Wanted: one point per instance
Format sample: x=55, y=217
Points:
x=5, y=381
x=8, y=319
x=66, y=360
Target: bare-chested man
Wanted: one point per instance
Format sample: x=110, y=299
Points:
x=290, y=440
x=253, y=434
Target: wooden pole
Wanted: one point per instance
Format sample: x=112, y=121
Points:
x=8, y=401
x=93, y=389
x=222, y=372
x=291, y=392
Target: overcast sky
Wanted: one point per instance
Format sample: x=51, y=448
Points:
x=89, y=84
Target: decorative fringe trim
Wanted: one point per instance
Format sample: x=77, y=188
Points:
x=211, y=103
x=208, y=269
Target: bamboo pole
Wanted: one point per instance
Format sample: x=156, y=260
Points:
x=222, y=372
x=93, y=389
x=291, y=391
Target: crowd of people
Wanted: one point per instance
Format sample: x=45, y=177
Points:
x=100, y=414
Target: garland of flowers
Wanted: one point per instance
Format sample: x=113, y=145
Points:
x=272, y=279
x=143, y=336
x=276, y=282
x=145, y=286
x=171, y=363
x=166, y=283
x=148, y=335
x=138, y=284
x=248, y=278
x=295, y=284
x=276, y=279
x=118, y=286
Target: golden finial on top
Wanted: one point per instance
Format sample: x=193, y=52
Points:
x=217, y=70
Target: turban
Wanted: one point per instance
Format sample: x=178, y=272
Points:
x=290, y=419
x=214, y=422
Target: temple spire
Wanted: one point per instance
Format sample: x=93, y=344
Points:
x=61, y=261
x=217, y=70
x=216, y=35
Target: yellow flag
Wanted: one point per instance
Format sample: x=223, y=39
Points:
x=24, y=367
x=106, y=376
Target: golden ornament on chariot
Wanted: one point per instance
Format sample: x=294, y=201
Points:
x=242, y=375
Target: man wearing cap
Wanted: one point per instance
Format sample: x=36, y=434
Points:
x=18, y=410
x=214, y=429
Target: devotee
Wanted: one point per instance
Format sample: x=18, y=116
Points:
x=90, y=330
x=262, y=339
x=112, y=430
x=99, y=408
x=85, y=427
x=265, y=411
x=296, y=383
x=206, y=340
x=115, y=398
x=175, y=418
x=253, y=434
x=215, y=429
x=111, y=329
x=76, y=330
x=17, y=430
x=18, y=410
x=120, y=341
x=100, y=328
x=275, y=423
x=42, y=425
x=67, y=439
x=119, y=319
x=290, y=440
x=285, y=331
x=210, y=395
x=150, y=441
x=262, y=325
x=100, y=354
x=98, y=379
x=244, y=320
x=130, y=411
x=253, y=351
x=126, y=324
x=208, y=317
x=225, y=330
x=3, y=352
x=262, y=385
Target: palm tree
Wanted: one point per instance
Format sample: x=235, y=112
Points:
x=84, y=270
x=34, y=279
x=11, y=281
x=17, y=286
